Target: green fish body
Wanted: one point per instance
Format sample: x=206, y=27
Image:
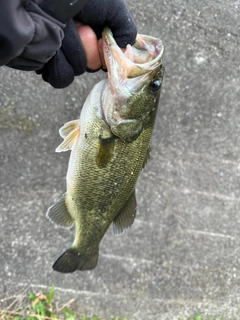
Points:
x=109, y=146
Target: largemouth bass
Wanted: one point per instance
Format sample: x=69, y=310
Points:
x=109, y=146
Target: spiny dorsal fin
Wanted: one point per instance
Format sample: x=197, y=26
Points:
x=70, y=133
x=147, y=156
x=58, y=213
x=126, y=216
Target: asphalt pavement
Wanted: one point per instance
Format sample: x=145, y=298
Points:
x=182, y=254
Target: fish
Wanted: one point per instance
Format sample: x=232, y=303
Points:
x=109, y=146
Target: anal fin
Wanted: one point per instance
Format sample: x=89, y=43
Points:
x=126, y=216
x=58, y=213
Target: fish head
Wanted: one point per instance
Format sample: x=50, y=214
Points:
x=130, y=97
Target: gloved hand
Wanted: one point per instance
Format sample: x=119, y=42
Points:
x=70, y=59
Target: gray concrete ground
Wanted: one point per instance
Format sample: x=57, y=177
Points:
x=182, y=254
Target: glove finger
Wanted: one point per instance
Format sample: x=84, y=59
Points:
x=44, y=72
x=92, y=71
x=73, y=50
x=122, y=24
x=60, y=72
x=111, y=13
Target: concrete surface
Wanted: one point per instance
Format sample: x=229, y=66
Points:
x=182, y=254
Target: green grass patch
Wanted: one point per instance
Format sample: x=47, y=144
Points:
x=41, y=306
x=198, y=317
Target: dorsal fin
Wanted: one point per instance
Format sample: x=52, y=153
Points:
x=70, y=133
x=126, y=216
x=147, y=156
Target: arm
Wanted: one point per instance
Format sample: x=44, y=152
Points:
x=28, y=36
x=30, y=39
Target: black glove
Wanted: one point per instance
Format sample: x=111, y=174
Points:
x=70, y=59
x=112, y=13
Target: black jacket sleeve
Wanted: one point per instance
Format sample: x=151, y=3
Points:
x=28, y=36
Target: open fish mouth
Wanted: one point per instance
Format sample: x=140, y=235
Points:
x=131, y=76
x=141, y=58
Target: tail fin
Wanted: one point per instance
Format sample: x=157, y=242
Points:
x=72, y=260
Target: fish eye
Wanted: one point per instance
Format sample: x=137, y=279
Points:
x=155, y=85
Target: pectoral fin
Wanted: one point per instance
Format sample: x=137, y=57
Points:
x=105, y=150
x=126, y=216
x=70, y=133
x=58, y=213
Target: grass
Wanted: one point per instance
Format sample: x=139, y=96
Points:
x=41, y=306
x=198, y=317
